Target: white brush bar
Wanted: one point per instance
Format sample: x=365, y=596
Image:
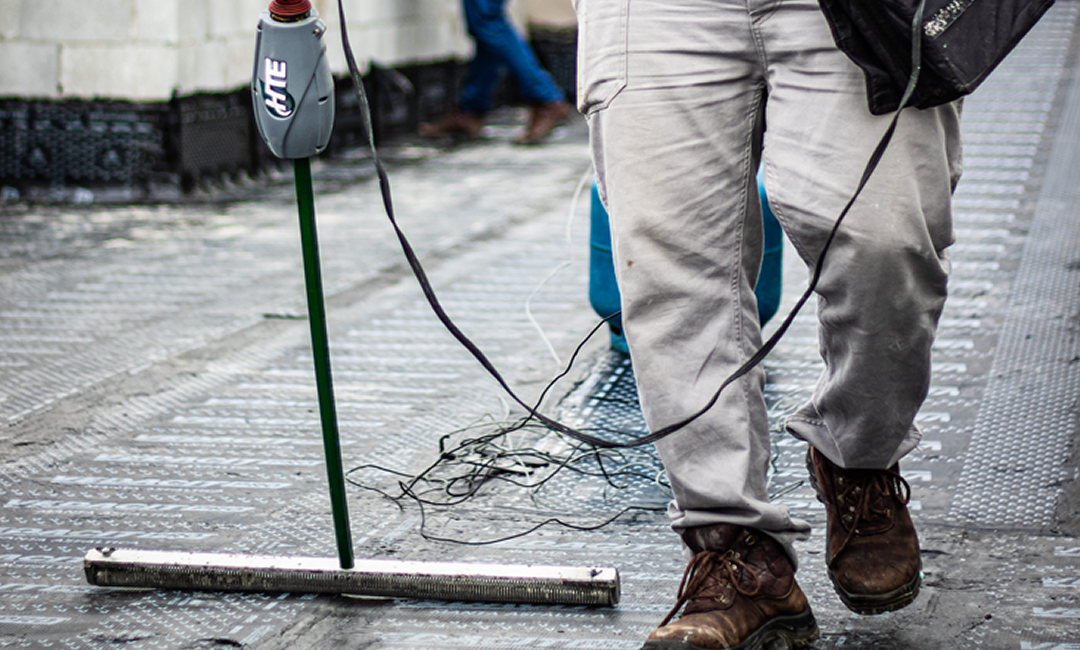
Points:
x=503, y=583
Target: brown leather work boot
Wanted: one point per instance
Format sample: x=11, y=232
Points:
x=543, y=118
x=457, y=123
x=740, y=594
x=871, y=545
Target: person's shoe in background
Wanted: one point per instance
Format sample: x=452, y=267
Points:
x=543, y=118
x=457, y=123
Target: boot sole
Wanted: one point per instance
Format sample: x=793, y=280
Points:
x=868, y=604
x=780, y=633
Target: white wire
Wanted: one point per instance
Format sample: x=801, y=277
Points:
x=585, y=178
x=535, y=324
x=569, y=240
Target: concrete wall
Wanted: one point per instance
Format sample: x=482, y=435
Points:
x=553, y=14
x=394, y=32
x=147, y=50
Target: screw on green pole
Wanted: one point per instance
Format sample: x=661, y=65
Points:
x=305, y=199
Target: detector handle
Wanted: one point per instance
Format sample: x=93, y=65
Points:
x=291, y=86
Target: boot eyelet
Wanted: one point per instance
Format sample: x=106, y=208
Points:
x=750, y=540
x=847, y=518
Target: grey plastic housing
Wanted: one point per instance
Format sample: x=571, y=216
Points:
x=291, y=87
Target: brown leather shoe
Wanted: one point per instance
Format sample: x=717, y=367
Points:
x=456, y=123
x=740, y=594
x=871, y=545
x=543, y=118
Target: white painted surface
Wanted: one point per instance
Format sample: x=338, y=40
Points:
x=146, y=50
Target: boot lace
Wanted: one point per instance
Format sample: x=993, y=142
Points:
x=728, y=569
x=868, y=497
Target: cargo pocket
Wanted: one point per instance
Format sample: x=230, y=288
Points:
x=601, y=55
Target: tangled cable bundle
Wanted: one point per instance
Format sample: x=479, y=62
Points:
x=474, y=462
x=495, y=464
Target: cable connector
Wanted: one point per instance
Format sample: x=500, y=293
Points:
x=290, y=11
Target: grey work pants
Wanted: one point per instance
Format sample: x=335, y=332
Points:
x=684, y=98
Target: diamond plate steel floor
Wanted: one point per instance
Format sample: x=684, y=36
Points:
x=157, y=392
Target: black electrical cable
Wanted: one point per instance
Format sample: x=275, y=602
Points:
x=756, y=358
x=466, y=466
x=550, y=520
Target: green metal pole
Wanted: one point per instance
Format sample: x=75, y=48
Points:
x=305, y=200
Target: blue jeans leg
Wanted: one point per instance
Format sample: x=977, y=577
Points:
x=497, y=43
x=480, y=80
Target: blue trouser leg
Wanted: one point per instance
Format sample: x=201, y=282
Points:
x=480, y=80
x=497, y=43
